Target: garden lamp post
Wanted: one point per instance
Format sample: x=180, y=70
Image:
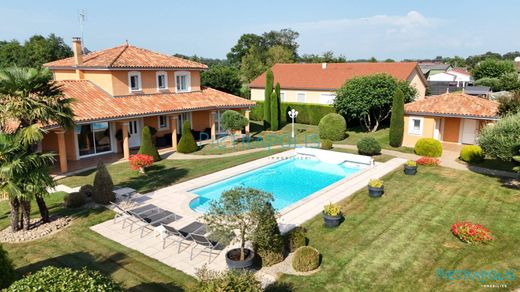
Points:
x=293, y=114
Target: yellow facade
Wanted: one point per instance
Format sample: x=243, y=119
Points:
x=409, y=140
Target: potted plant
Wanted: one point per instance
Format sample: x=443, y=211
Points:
x=237, y=210
x=376, y=188
x=331, y=215
x=410, y=167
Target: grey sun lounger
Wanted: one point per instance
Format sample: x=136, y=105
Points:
x=182, y=236
x=152, y=220
x=206, y=245
x=124, y=215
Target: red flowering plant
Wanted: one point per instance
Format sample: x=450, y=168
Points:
x=471, y=233
x=428, y=161
x=140, y=162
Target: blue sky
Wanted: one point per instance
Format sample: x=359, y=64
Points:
x=356, y=29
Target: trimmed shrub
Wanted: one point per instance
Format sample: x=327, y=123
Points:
x=428, y=147
x=103, y=186
x=226, y=281
x=87, y=190
x=147, y=146
x=501, y=139
x=332, y=127
x=295, y=239
x=471, y=154
x=267, y=239
x=267, y=95
x=275, y=111
x=368, y=146
x=306, y=259
x=75, y=200
x=7, y=274
x=187, y=143
x=65, y=279
x=326, y=144
x=397, y=120
x=233, y=121
x=308, y=113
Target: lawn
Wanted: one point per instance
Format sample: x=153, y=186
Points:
x=399, y=241
x=381, y=135
x=165, y=172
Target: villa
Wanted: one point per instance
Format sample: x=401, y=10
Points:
x=318, y=83
x=120, y=90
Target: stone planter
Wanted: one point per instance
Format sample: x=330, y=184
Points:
x=233, y=254
x=410, y=170
x=331, y=221
x=376, y=192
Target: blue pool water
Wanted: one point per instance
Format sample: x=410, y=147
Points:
x=289, y=181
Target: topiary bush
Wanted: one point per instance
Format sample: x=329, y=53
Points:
x=75, y=200
x=7, y=274
x=326, y=144
x=368, y=146
x=147, y=145
x=428, y=147
x=103, y=186
x=471, y=154
x=187, y=143
x=306, y=259
x=210, y=281
x=233, y=121
x=333, y=127
x=87, y=190
x=295, y=239
x=267, y=239
x=395, y=136
x=65, y=279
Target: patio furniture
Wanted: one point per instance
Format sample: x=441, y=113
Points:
x=123, y=213
x=151, y=221
x=205, y=243
x=179, y=235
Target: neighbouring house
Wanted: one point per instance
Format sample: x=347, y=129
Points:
x=120, y=90
x=317, y=83
x=432, y=68
x=450, y=118
x=451, y=80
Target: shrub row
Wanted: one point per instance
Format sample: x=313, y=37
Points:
x=308, y=113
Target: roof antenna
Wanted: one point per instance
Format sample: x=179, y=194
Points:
x=126, y=43
x=82, y=19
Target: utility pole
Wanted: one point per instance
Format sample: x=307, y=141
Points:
x=82, y=19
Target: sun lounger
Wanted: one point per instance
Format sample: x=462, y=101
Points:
x=206, y=245
x=151, y=221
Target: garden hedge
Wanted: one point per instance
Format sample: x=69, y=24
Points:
x=332, y=127
x=368, y=146
x=326, y=144
x=428, y=147
x=306, y=259
x=308, y=113
x=471, y=154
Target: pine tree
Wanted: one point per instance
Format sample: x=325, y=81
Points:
x=397, y=120
x=187, y=143
x=147, y=146
x=268, y=90
x=275, y=110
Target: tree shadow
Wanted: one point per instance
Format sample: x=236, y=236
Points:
x=280, y=287
x=156, y=176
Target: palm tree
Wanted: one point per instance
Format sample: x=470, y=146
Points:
x=29, y=101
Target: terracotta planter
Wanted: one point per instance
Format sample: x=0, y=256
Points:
x=376, y=192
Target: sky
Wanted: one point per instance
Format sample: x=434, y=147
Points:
x=383, y=29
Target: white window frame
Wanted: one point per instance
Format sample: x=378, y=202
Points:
x=327, y=98
x=304, y=97
x=139, y=81
x=165, y=74
x=411, y=130
x=188, y=81
x=282, y=96
x=161, y=127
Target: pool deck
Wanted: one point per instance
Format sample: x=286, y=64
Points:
x=176, y=198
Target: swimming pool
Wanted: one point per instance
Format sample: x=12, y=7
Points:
x=288, y=180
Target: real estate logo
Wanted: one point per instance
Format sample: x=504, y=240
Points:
x=483, y=276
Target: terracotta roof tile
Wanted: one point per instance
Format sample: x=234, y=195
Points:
x=127, y=56
x=313, y=76
x=93, y=103
x=458, y=103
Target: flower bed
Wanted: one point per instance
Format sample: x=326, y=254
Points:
x=140, y=161
x=471, y=233
x=428, y=161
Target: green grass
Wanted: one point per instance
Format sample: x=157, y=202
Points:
x=381, y=135
x=165, y=172
x=378, y=158
x=494, y=164
x=397, y=242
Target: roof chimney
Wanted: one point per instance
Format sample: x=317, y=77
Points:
x=78, y=52
x=323, y=66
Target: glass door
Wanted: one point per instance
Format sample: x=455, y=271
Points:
x=93, y=139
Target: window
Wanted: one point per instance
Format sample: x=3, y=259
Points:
x=180, y=121
x=182, y=81
x=415, y=126
x=163, y=122
x=300, y=97
x=134, y=81
x=162, y=80
x=93, y=138
x=327, y=98
x=282, y=96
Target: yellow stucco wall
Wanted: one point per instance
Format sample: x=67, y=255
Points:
x=102, y=79
x=416, y=81
x=149, y=81
x=64, y=75
x=311, y=96
x=428, y=128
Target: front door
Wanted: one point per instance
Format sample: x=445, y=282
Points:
x=134, y=128
x=469, y=131
x=437, y=130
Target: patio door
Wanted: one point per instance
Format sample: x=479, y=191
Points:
x=134, y=128
x=438, y=129
x=469, y=131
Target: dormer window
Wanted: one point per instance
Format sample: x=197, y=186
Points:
x=134, y=81
x=182, y=81
x=162, y=81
